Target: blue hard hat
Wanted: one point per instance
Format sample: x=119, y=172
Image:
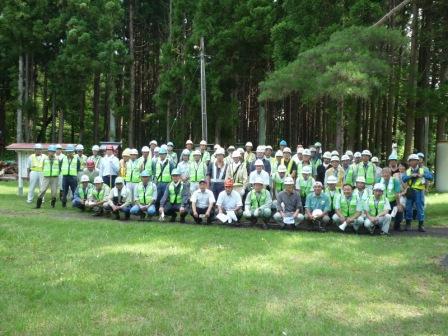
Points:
x=283, y=143
x=52, y=148
x=393, y=156
x=70, y=148
x=162, y=150
x=144, y=174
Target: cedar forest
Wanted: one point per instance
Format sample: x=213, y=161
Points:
x=352, y=74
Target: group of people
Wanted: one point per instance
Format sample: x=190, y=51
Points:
x=310, y=187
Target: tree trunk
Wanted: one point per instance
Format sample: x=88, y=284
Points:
x=131, y=137
x=412, y=85
x=96, y=106
x=19, y=134
x=340, y=126
x=61, y=126
x=82, y=116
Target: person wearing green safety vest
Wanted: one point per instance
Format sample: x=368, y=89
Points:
x=35, y=166
x=367, y=169
x=291, y=166
x=376, y=210
x=349, y=177
x=119, y=200
x=95, y=157
x=304, y=184
x=50, y=177
x=333, y=194
x=82, y=192
x=392, y=190
x=132, y=177
x=81, y=156
x=205, y=156
x=249, y=156
x=172, y=156
x=197, y=171
x=348, y=210
x=145, y=162
x=145, y=196
x=276, y=162
x=306, y=161
x=175, y=199
x=336, y=171
x=416, y=177
x=70, y=167
x=278, y=181
x=237, y=172
x=355, y=164
x=98, y=196
x=361, y=193
x=258, y=204
x=315, y=160
x=162, y=169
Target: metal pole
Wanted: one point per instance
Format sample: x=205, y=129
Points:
x=203, y=91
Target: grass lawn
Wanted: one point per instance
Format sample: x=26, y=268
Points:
x=62, y=273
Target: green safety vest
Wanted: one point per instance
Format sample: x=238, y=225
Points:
x=197, y=171
x=37, y=163
x=368, y=173
x=348, y=208
x=278, y=182
x=95, y=159
x=175, y=199
x=132, y=171
x=145, y=194
x=99, y=195
x=315, y=163
x=69, y=166
x=82, y=160
x=418, y=183
x=305, y=186
x=348, y=177
x=256, y=202
x=165, y=175
x=389, y=193
x=289, y=166
x=51, y=167
x=146, y=166
x=337, y=193
x=374, y=211
x=82, y=194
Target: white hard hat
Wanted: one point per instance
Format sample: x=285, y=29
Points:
x=156, y=149
x=258, y=180
x=188, y=142
x=98, y=179
x=58, y=146
x=421, y=155
x=203, y=142
x=261, y=149
x=85, y=178
x=357, y=155
x=133, y=151
x=332, y=179
x=300, y=150
x=413, y=157
x=366, y=152
x=236, y=154
x=241, y=150
x=375, y=159
x=95, y=148
x=231, y=147
x=220, y=151
x=345, y=157
x=378, y=186
x=196, y=152
x=164, y=146
x=287, y=150
x=318, y=144
x=258, y=163
x=185, y=152
x=349, y=153
x=361, y=179
x=145, y=149
x=153, y=142
x=288, y=180
x=326, y=155
x=79, y=147
x=335, y=153
x=216, y=146
x=248, y=144
x=306, y=170
x=306, y=151
x=335, y=158
x=281, y=169
x=279, y=153
x=38, y=146
x=268, y=147
x=119, y=179
x=317, y=183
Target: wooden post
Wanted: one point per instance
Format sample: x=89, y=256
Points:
x=261, y=125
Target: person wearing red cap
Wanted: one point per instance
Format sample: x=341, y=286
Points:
x=109, y=167
x=230, y=200
x=90, y=171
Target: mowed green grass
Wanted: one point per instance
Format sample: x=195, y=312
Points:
x=64, y=273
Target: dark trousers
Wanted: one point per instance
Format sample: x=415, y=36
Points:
x=109, y=180
x=398, y=216
x=173, y=209
x=216, y=188
x=68, y=182
x=161, y=187
x=202, y=211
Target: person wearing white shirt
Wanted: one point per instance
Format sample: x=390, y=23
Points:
x=202, y=201
x=109, y=167
x=259, y=173
x=230, y=200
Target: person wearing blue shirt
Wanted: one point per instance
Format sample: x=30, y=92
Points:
x=317, y=200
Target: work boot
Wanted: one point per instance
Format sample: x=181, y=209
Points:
x=421, y=227
x=53, y=202
x=408, y=225
x=173, y=218
x=64, y=204
x=116, y=215
x=61, y=194
x=142, y=216
x=182, y=219
x=39, y=203
x=127, y=215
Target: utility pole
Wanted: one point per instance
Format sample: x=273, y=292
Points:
x=203, y=90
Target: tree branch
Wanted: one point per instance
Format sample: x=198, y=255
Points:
x=392, y=12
